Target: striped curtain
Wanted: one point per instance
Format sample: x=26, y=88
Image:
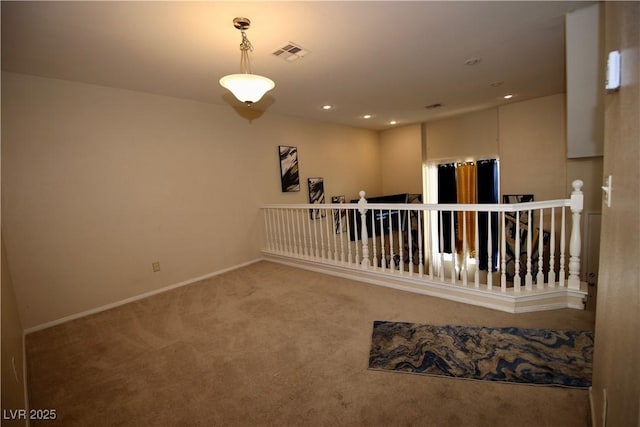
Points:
x=469, y=183
x=488, y=193
x=466, y=194
x=447, y=193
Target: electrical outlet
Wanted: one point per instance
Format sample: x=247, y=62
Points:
x=155, y=266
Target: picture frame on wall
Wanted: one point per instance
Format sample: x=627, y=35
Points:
x=289, y=174
x=316, y=196
x=339, y=215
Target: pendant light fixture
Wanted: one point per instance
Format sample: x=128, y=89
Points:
x=246, y=87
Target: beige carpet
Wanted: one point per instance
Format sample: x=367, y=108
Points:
x=270, y=345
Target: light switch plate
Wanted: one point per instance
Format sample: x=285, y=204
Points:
x=607, y=191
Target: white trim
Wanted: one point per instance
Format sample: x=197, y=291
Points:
x=592, y=408
x=136, y=298
x=24, y=376
x=510, y=302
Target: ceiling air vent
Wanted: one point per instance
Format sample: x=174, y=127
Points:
x=433, y=106
x=291, y=52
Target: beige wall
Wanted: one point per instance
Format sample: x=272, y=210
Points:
x=533, y=148
x=589, y=170
x=585, y=79
x=98, y=183
x=401, y=160
x=529, y=137
x=616, y=370
x=534, y=130
x=472, y=135
x=12, y=355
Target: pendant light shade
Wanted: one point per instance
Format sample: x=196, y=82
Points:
x=246, y=87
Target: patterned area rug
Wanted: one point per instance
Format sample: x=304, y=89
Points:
x=530, y=356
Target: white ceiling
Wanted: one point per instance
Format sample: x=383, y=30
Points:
x=388, y=59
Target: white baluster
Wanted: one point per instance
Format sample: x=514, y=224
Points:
x=528, y=278
x=540, y=277
x=373, y=238
x=342, y=234
x=410, y=241
x=383, y=255
x=297, y=221
x=464, y=248
x=334, y=222
x=319, y=222
x=441, y=241
x=278, y=215
x=362, y=208
x=267, y=230
x=331, y=235
x=454, y=261
x=274, y=229
x=503, y=255
x=400, y=244
x=489, y=253
x=561, y=276
x=430, y=240
x=330, y=232
x=310, y=246
x=476, y=276
x=552, y=251
x=287, y=229
x=420, y=243
x=577, y=201
x=516, y=277
x=348, y=236
x=355, y=233
x=290, y=237
x=273, y=223
x=392, y=263
x=315, y=234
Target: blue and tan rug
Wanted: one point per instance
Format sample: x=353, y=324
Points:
x=530, y=356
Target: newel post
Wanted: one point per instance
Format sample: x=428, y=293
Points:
x=577, y=201
x=362, y=208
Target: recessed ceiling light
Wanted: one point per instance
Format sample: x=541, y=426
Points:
x=393, y=122
x=472, y=61
x=327, y=107
x=508, y=96
x=366, y=116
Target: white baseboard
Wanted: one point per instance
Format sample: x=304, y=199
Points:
x=24, y=378
x=135, y=298
x=510, y=301
x=592, y=408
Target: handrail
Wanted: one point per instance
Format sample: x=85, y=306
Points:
x=503, y=207
x=533, y=249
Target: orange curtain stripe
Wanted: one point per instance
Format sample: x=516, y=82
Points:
x=466, y=189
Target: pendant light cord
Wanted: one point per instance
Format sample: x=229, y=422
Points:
x=245, y=48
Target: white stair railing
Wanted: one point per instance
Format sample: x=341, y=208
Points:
x=520, y=244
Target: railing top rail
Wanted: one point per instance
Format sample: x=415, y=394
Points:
x=493, y=207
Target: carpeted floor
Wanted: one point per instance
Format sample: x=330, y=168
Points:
x=271, y=345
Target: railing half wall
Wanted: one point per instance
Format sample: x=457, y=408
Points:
x=511, y=257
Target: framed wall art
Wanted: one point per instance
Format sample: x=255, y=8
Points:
x=316, y=196
x=339, y=215
x=289, y=176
